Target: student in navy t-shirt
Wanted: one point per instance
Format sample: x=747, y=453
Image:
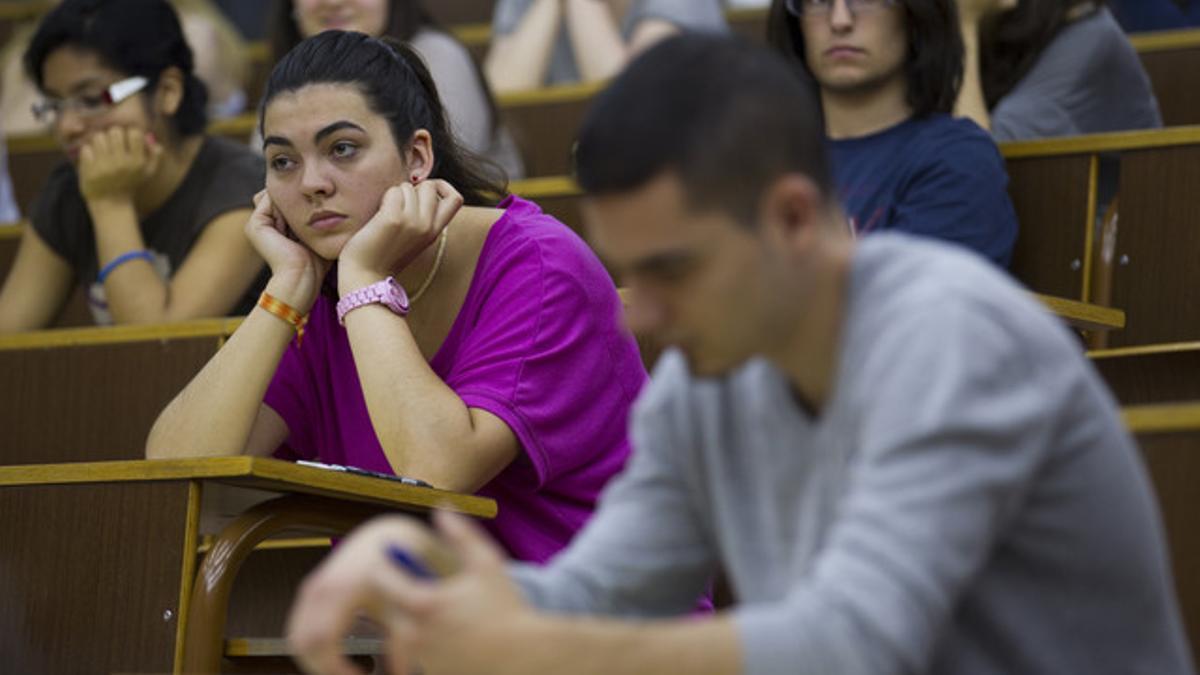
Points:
x=900, y=161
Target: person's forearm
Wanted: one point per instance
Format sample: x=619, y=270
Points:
x=134, y=290
x=971, y=101
x=600, y=50
x=213, y=415
x=607, y=647
x=519, y=60
x=425, y=429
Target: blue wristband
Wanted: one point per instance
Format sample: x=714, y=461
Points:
x=142, y=254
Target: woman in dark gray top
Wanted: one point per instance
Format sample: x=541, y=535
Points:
x=1045, y=68
x=148, y=213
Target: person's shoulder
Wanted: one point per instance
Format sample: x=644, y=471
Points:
x=438, y=46
x=954, y=144
x=63, y=179
x=527, y=231
x=238, y=158
x=947, y=135
x=232, y=171
x=927, y=284
x=60, y=188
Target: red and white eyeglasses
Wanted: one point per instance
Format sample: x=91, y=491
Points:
x=49, y=110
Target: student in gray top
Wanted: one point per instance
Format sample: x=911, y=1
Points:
x=1046, y=68
x=548, y=42
x=902, y=462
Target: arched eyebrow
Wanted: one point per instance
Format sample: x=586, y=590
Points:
x=317, y=137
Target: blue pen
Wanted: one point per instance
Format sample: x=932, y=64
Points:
x=409, y=562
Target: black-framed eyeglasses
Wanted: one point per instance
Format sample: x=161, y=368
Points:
x=49, y=110
x=822, y=8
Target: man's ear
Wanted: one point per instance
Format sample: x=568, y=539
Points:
x=791, y=212
x=168, y=93
x=418, y=157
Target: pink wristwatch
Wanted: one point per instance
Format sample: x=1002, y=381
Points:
x=388, y=292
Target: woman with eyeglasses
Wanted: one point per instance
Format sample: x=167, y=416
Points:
x=1047, y=68
x=146, y=212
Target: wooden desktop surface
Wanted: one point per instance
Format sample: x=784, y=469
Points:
x=251, y=472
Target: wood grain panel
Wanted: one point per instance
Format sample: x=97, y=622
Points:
x=1157, y=376
x=1050, y=195
x=88, y=572
x=91, y=402
x=1174, y=464
x=545, y=125
x=265, y=587
x=1156, y=278
x=1175, y=78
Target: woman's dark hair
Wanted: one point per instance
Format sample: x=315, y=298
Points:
x=397, y=86
x=134, y=37
x=1011, y=42
x=405, y=19
x=933, y=68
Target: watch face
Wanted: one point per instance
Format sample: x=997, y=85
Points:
x=394, y=297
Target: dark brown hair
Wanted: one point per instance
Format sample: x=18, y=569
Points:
x=397, y=86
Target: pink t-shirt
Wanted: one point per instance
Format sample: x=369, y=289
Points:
x=538, y=342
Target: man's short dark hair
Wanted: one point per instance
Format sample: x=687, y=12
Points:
x=726, y=116
x=933, y=67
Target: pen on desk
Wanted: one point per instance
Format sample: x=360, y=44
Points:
x=409, y=562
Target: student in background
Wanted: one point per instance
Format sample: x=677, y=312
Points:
x=146, y=212
x=413, y=324
x=888, y=73
x=1046, y=68
x=474, y=117
x=218, y=52
x=547, y=42
x=902, y=461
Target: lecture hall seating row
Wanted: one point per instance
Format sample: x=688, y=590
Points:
x=114, y=381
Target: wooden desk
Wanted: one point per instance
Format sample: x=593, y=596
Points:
x=1061, y=186
x=100, y=558
x=1152, y=374
x=92, y=394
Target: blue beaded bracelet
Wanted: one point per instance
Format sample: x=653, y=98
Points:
x=142, y=254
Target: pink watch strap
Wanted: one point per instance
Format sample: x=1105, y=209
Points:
x=388, y=293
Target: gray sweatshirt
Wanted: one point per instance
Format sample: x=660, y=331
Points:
x=966, y=502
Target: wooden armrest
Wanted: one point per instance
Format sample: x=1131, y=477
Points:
x=1162, y=418
x=208, y=610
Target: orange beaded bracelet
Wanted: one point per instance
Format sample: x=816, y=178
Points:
x=284, y=311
